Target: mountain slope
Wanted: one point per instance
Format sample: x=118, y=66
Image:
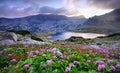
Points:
x=107, y=23
x=41, y=23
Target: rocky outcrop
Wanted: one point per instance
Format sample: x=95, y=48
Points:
x=8, y=39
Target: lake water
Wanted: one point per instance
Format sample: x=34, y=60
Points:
x=66, y=35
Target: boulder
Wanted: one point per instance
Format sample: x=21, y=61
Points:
x=10, y=36
x=7, y=42
x=8, y=39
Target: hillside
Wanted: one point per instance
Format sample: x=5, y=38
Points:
x=107, y=23
x=42, y=23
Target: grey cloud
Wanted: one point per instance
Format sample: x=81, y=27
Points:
x=51, y=10
x=8, y=11
x=111, y=4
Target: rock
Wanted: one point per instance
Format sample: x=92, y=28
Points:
x=10, y=36
x=8, y=39
x=7, y=42
x=31, y=41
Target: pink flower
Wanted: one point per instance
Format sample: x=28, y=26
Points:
x=88, y=61
x=110, y=61
x=44, y=65
x=9, y=55
x=1, y=51
x=54, y=57
x=61, y=56
x=49, y=62
x=90, y=50
x=119, y=57
x=100, y=67
x=76, y=62
x=42, y=49
x=99, y=62
x=112, y=68
x=30, y=54
x=117, y=66
x=26, y=66
x=44, y=55
x=67, y=69
x=68, y=57
x=87, y=54
x=71, y=65
x=37, y=52
x=13, y=60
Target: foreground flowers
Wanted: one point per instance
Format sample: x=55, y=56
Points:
x=59, y=60
x=26, y=66
x=49, y=62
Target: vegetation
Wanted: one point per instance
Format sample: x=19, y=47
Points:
x=24, y=58
x=36, y=38
x=21, y=32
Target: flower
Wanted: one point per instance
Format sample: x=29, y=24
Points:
x=9, y=55
x=117, y=66
x=30, y=54
x=87, y=54
x=44, y=65
x=37, y=52
x=110, y=61
x=67, y=69
x=99, y=62
x=49, y=62
x=71, y=65
x=100, y=67
x=90, y=50
x=88, y=61
x=54, y=57
x=13, y=61
x=76, y=62
x=1, y=51
x=112, y=68
x=26, y=66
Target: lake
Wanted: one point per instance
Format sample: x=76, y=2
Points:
x=67, y=35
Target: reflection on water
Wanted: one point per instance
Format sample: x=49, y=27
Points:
x=66, y=35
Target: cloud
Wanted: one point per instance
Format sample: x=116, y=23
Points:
x=59, y=11
x=107, y=4
x=9, y=11
x=51, y=10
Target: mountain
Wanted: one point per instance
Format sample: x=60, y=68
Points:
x=41, y=23
x=107, y=23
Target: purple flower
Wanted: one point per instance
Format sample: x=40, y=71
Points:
x=67, y=69
x=13, y=60
x=71, y=65
x=76, y=62
x=61, y=56
x=119, y=57
x=68, y=57
x=112, y=68
x=44, y=65
x=30, y=54
x=99, y=62
x=49, y=62
x=90, y=50
x=87, y=54
x=1, y=51
x=110, y=61
x=37, y=52
x=88, y=61
x=117, y=66
x=100, y=67
x=54, y=57
x=26, y=66
x=9, y=55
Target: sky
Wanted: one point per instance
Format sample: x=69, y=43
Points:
x=86, y=8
